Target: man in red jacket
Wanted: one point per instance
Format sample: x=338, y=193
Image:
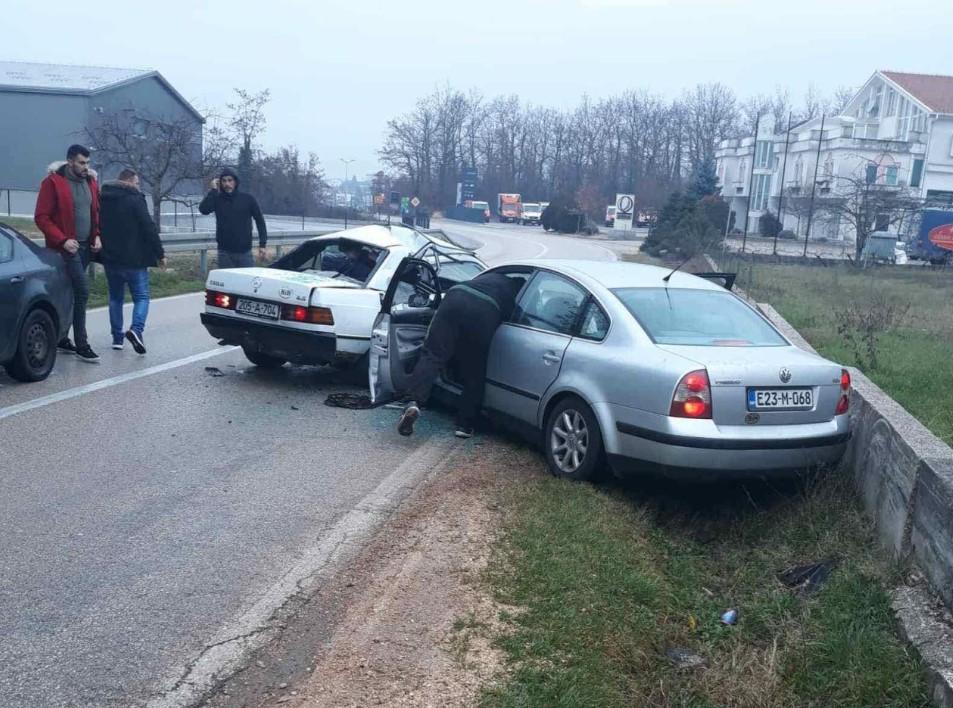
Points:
x=67, y=212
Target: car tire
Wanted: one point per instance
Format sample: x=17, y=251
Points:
x=262, y=360
x=572, y=423
x=36, y=348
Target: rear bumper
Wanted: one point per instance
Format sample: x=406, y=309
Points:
x=296, y=346
x=637, y=441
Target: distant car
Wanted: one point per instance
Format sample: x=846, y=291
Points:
x=485, y=206
x=610, y=216
x=609, y=361
x=317, y=304
x=530, y=214
x=36, y=306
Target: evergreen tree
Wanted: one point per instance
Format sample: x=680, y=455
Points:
x=704, y=179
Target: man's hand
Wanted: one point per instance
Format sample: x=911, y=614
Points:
x=262, y=253
x=215, y=184
x=97, y=245
x=71, y=246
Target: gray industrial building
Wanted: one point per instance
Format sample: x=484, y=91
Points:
x=44, y=108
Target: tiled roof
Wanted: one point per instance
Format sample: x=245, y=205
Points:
x=935, y=92
x=63, y=77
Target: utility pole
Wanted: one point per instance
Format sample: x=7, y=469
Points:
x=784, y=166
x=817, y=163
x=754, y=155
x=347, y=202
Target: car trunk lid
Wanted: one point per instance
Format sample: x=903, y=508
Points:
x=273, y=285
x=780, y=374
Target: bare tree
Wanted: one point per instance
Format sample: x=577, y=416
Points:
x=248, y=121
x=165, y=152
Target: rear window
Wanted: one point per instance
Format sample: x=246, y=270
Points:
x=698, y=318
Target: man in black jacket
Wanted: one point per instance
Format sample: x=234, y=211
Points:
x=234, y=212
x=461, y=330
x=131, y=246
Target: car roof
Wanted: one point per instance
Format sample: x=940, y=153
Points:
x=384, y=236
x=620, y=274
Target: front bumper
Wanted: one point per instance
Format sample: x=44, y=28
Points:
x=296, y=346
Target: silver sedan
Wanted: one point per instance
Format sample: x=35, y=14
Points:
x=614, y=362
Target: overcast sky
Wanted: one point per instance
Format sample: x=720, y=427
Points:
x=339, y=69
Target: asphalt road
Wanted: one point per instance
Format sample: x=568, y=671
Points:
x=154, y=515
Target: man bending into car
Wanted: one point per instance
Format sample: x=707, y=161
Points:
x=461, y=331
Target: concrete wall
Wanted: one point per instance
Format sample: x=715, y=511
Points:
x=35, y=130
x=904, y=474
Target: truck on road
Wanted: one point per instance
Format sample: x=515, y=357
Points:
x=531, y=213
x=934, y=240
x=508, y=208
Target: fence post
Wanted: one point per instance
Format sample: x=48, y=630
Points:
x=9, y=212
x=277, y=251
x=203, y=261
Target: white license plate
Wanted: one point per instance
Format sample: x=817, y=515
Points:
x=268, y=310
x=761, y=399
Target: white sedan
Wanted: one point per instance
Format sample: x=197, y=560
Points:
x=317, y=304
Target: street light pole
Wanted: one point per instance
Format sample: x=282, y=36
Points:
x=347, y=206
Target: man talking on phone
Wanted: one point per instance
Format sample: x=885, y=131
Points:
x=234, y=213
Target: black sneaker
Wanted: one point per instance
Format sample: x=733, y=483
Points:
x=136, y=340
x=405, y=426
x=464, y=431
x=118, y=344
x=65, y=346
x=86, y=354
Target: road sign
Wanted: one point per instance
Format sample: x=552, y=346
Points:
x=415, y=202
x=395, y=198
x=404, y=205
x=378, y=199
x=624, y=210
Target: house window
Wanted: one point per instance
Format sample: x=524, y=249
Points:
x=890, y=175
x=891, y=103
x=762, y=154
x=871, y=173
x=762, y=188
x=917, y=174
x=742, y=170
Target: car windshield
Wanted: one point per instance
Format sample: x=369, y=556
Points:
x=458, y=271
x=698, y=318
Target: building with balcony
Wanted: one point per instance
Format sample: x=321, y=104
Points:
x=895, y=133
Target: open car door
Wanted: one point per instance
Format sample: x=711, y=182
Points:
x=407, y=307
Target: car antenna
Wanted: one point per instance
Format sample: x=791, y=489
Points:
x=676, y=268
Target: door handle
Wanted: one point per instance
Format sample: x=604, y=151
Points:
x=551, y=358
x=16, y=279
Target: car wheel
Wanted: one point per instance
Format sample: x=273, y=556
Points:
x=265, y=361
x=36, y=348
x=573, y=441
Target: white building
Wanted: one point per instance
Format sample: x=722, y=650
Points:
x=897, y=131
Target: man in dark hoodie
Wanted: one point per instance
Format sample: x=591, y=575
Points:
x=67, y=212
x=461, y=330
x=234, y=212
x=131, y=246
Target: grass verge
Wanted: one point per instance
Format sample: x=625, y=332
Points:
x=24, y=225
x=609, y=579
x=913, y=354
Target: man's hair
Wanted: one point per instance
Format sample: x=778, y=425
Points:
x=127, y=174
x=75, y=150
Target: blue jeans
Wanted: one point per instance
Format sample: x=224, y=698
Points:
x=138, y=281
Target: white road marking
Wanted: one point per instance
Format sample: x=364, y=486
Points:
x=152, y=301
x=107, y=383
x=224, y=653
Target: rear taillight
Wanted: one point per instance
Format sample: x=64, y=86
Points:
x=217, y=299
x=843, y=403
x=692, y=397
x=310, y=315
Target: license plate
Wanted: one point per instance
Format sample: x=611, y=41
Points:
x=268, y=310
x=760, y=399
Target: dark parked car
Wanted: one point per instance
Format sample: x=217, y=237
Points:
x=36, y=306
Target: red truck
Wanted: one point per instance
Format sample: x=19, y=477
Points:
x=508, y=208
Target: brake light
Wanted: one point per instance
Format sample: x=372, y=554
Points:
x=310, y=315
x=843, y=403
x=692, y=397
x=217, y=299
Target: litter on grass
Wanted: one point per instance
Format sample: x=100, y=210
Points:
x=807, y=578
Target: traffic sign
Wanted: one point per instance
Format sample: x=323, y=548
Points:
x=415, y=202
